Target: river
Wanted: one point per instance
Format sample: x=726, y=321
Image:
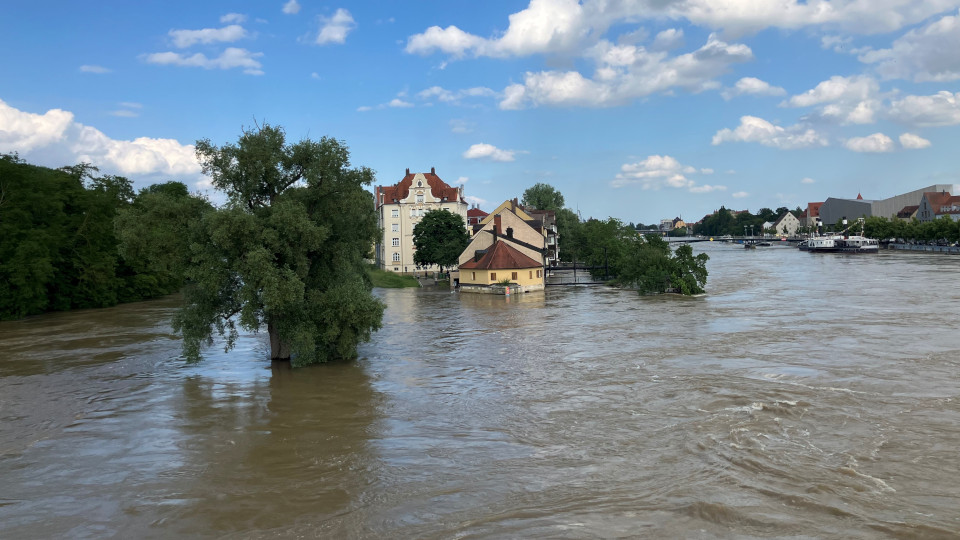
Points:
x=805, y=396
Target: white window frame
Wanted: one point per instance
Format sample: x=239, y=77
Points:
x=396, y=256
x=396, y=242
x=395, y=212
x=395, y=227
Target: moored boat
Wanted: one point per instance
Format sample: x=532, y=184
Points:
x=841, y=243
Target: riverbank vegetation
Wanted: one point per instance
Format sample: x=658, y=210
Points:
x=617, y=253
x=942, y=229
x=389, y=280
x=60, y=247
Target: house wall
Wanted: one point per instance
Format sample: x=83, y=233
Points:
x=888, y=208
x=523, y=232
x=409, y=213
x=525, y=276
x=788, y=225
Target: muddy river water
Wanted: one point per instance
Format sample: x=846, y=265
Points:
x=806, y=396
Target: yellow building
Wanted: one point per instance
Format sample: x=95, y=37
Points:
x=488, y=268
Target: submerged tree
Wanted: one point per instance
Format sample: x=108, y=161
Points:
x=286, y=251
x=439, y=238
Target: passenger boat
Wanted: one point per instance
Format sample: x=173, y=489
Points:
x=841, y=243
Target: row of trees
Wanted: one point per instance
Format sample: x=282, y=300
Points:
x=941, y=229
x=61, y=232
x=285, y=252
x=723, y=221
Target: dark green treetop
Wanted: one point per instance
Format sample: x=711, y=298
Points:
x=542, y=197
x=439, y=238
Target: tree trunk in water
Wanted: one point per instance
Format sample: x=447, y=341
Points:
x=279, y=349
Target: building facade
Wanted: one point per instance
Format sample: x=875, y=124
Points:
x=400, y=207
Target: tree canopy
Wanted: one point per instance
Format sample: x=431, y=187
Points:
x=542, y=197
x=286, y=251
x=439, y=238
x=59, y=246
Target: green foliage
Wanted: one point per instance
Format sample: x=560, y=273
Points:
x=542, y=197
x=504, y=282
x=941, y=229
x=648, y=265
x=439, y=238
x=679, y=231
x=285, y=252
x=389, y=280
x=60, y=245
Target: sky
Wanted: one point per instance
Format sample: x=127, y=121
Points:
x=636, y=109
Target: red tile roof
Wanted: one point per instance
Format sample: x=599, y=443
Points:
x=501, y=257
x=814, y=209
x=908, y=211
x=438, y=188
x=859, y=197
x=476, y=212
x=936, y=199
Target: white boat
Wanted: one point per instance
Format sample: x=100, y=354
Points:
x=841, y=243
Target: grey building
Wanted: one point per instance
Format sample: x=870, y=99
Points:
x=834, y=209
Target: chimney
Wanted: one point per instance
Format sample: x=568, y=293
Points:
x=408, y=171
x=433, y=170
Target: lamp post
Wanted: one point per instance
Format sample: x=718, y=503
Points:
x=744, y=232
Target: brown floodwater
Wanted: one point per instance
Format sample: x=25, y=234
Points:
x=806, y=396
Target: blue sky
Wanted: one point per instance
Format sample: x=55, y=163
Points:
x=636, y=109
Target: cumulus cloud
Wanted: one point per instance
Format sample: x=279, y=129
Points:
x=230, y=58
x=921, y=55
x=911, y=141
x=740, y=194
x=752, y=86
x=186, y=38
x=668, y=39
x=475, y=200
x=291, y=8
x=461, y=181
x=335, y=29
x=847, y=100
x=876, y=143
x=940, y=109
x=489, y=152
x=454, y=98
x=399, y=103
x=758, y=130
x=808, y=181
x=89, y=68
x=55, y=139
x=233, y=18
x=656, y=172
x=624, y=73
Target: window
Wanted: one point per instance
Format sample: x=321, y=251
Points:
x=420, y=197
x=396, y=242
x=531, y=274
x=396, y=268
x=493, y=276
x=514, y=276
x=396, y=258
x=474, y=276
x=395, y=227
x=538, y=273
x=395, y=212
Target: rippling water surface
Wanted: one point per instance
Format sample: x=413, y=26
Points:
x=806, y=396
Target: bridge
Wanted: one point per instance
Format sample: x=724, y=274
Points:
x=727, y=238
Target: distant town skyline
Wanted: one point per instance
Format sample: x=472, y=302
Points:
x=629, y=108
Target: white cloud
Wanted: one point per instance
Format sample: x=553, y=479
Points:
x=847, y=100
x=186, y=38
x=55, y=139
x=314, y=75
x=399, y=103
x=450, y=40
x=923, y=54
x=233, y=18
x=758, y=130
x=88, y=68
x=752, y=86
x=668, y=39
x=475, y=200
x=335, y=29
x=364, y=108
x=911, y=141
x=291, y=8
x=655, y=172
x=489, y=152
x=454, y=98
x=740, y=194
x=876, y=143
x=230, y=58
x=461, y=181
x=837, y=43
x=624, y=73
x=940, y=109
x=808, y=181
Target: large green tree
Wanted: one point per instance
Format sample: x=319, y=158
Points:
x=542, y=197
x=439, y=238
x=286, y=251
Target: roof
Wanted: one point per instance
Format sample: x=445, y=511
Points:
x=814, y=208
x=501, y=256
x=438, y=188
x=476, y=212
x=936, y=199
x=859, y=196
x=908, y=211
